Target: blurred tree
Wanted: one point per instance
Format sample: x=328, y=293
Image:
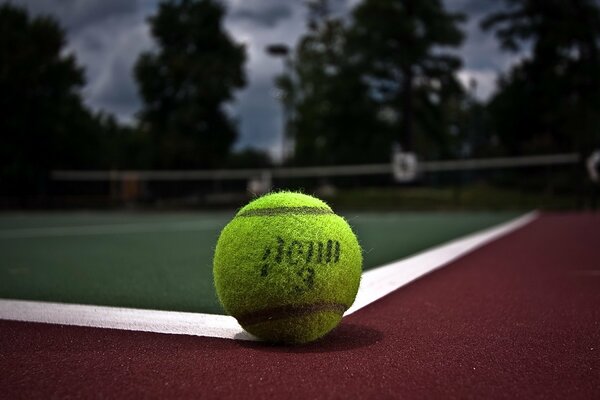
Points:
x=400, y=46
x=43, y=123
x=478, y=141
x=550, y=100
x=123, y=147
x=185, y=83
x=249, y=158
x=332, y=118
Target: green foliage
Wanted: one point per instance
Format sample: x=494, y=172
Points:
x=122, y=146
x=44, y=124
x=357, y=87
x=399, y=46
x=474, y=139
x=249, y=158
x=549, y=101
x=332, y=119
x=185, y=84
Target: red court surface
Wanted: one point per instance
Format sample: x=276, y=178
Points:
x=518, y=318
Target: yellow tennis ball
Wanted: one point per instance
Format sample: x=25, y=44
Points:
x=287, y=267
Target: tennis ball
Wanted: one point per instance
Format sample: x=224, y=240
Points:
x=287, y=267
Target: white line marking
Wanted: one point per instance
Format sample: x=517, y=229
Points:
x=383, y=280
x=375, y=284
x=129, y=319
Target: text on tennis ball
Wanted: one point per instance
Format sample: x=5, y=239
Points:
x=304, y=253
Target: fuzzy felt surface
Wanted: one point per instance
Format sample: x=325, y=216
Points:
x=287, y=267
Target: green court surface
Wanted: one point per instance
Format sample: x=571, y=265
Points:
x=164, y=261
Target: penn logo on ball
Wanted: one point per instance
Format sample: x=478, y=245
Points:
x=287, y=267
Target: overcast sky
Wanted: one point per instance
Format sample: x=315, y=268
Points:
x=107, y=36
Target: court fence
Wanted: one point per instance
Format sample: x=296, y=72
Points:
x=541, y=181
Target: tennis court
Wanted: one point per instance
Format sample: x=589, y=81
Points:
x=164, y=261
x=509, y=310
x=467, y=288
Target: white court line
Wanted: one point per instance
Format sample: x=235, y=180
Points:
x=129, y=319
x=375, y=284
x=383, y=280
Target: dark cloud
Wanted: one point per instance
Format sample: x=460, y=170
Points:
x=109, y=53
x=260, y=116
x=473, y=7
x=267, y=16
x=482, y=58
x=92, y=43
x=118, y=91
x=256, y=109
x=78, y=14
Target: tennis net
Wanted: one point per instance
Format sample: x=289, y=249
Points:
x=552, y=181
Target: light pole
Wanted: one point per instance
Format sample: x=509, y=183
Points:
x=283, y=51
